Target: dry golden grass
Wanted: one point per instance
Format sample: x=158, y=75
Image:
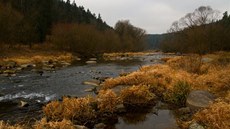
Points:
x=217, y=80
x=44, y=124
x=68, y=57
x=191, y=64
x=161, y=75
x=137, y=95
x=4, y=125
x=216, y=116
x=113, y=56
x=70, y=108
x=107, y=101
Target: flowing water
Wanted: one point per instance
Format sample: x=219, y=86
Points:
x=29, y=85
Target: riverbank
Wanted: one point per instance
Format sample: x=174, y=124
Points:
x=171, y=83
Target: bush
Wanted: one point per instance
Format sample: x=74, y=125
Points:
x=71, y=108
x=137, y=96
x=178, y=94
x=107, y=101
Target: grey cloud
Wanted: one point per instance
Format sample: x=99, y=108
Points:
x=155, y=16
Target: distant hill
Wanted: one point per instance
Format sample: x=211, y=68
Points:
x=154, y=40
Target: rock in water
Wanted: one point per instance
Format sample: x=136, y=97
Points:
x=91, y=62
x=80, y=127
x=92, y=82
x=23, y=104
x=199, y=99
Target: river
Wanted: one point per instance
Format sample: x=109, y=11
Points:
x=30, y=86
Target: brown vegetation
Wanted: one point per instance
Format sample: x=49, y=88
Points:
x=137, y=96
x=4, y=125
x=216, y=116
x=70, y=108
x=44, y=124
x=107, y=101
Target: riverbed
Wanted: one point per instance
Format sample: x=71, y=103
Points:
x=31, y=87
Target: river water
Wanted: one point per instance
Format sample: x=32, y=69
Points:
x=29, y=85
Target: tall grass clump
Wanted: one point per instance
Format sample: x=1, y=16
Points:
x=70, y=108
x=137, y=96
x=191, y=64
x=178, y=94
x=216, y=116
x=107, y=101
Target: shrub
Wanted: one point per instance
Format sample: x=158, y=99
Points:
x=137, y=96
x=107, y=101
x=178, y=94
x=64, y=124
x=216, y=116
x=71, y=108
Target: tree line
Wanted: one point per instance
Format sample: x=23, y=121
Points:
x=67, y=26
x=199, y=32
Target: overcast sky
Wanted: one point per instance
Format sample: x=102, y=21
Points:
x=155, y=16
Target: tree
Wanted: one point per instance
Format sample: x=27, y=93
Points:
x=132, y=38
x=201, y=16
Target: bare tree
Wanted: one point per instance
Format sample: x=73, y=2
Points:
x=201, y=16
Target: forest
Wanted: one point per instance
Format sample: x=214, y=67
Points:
x=65, y=26
x=199, y=32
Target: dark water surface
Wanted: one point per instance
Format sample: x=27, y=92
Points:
x=29, y=85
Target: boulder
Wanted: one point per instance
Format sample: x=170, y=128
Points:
x=199, y=99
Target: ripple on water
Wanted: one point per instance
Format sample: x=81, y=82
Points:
x=39, y=96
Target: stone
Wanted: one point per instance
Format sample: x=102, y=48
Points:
x=99, y=126
x=91, y=62
x=90, y=89
x=23, y=104
x=195, y=125
x=92, y=59
x=92, y=82
x=80, y=127
x=121, y=108
x=199, y=99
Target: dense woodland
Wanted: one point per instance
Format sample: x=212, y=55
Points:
x=65, y=25
x=199, y=32
x=69, y=27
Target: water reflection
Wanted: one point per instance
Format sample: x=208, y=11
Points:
x=164, y=120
